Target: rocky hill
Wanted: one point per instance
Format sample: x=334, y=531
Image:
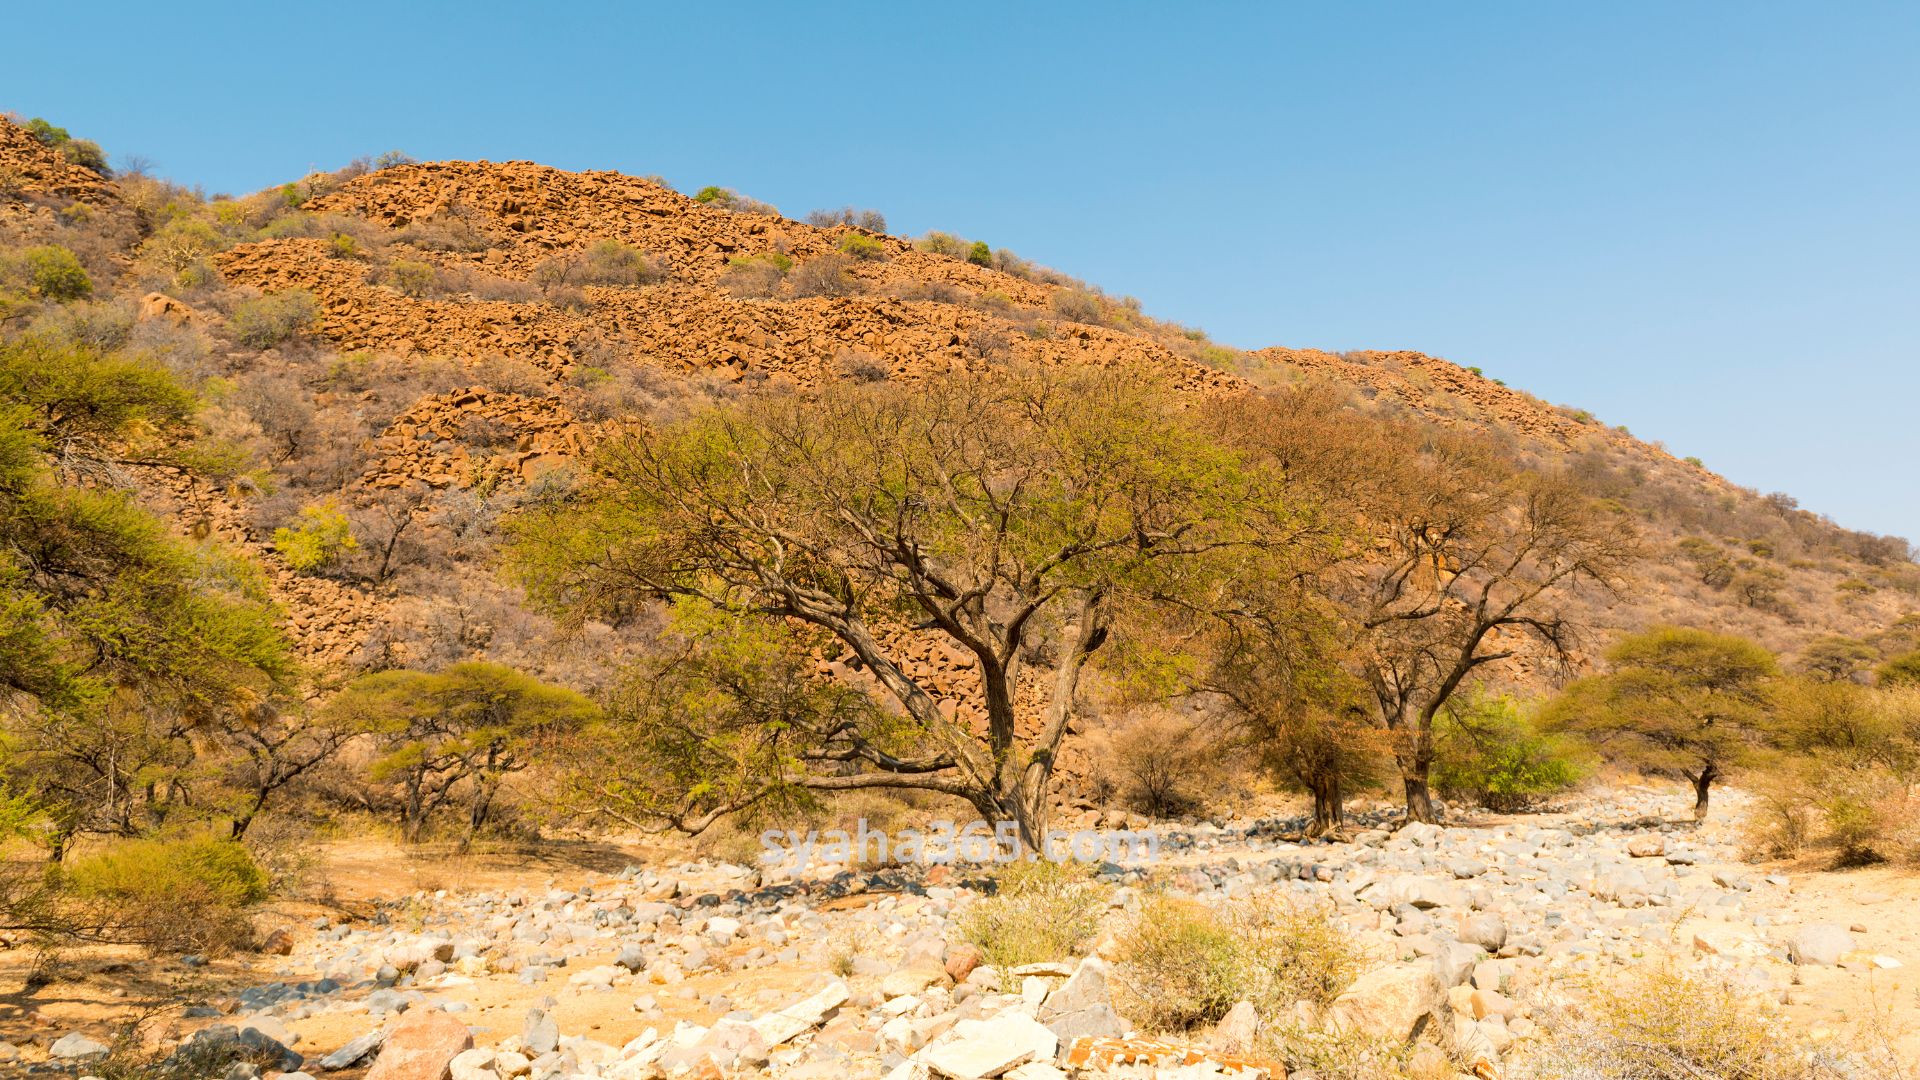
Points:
x=473, y=325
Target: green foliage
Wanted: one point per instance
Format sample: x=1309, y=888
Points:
x=1902, y=670
x=265, y=321
x=1041, y=911
x=774, y=259
x=718, y=721
x=1678, y=701
x=54, y=273
x=82, y=152
x=320, y=539
x=170, y=895
x=68, y=393
x=1487, y=750
x=861, y=246
x=467, y=726
x=1183, y=963
x=216, y=870
x=610, y=262
x=713, y=193
x=979, y=254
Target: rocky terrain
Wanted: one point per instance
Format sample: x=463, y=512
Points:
x=1476, y=934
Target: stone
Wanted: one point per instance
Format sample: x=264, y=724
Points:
x=803, y=1015
x=474, y=1064
x=540, y=1034
x=910, y=980
x=1485, y=929
x=421, y=1046
x=961, y=961
x=1398, y=1002
x=77, y=1047
x=982, y=1048
x=353, y=1053
x=1647, y=846
x=1820, y=944
x=1237, y=1032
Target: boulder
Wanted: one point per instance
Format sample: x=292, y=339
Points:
x=1397, y=1002
x=421, y=1047
x=1820, y=943
x=1237, y=1031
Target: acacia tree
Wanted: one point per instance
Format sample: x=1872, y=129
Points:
x=1008, y=516
x=462, y=729
x=1681, y=702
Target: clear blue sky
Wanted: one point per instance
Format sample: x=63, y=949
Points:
x=1697, y=219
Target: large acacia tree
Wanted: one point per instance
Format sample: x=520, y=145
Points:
x=1012, y=516
x=1461, y=558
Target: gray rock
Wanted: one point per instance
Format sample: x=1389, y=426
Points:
x=1237, y=1032
x=540, y=1035
x=1487, y=930
x=1820, y=943
x=77, y=1047
x=352, y=1053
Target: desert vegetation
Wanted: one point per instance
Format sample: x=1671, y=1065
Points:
x=320, y=518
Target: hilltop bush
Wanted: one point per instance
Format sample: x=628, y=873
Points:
x=861, y=246
x=1042, y=911
x=273, y=319
x=870, y=220
x=82, y=152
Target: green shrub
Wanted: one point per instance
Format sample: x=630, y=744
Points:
x=55, y=273
x=1182, y=963
x=320, y=539
x=861, y=246
x=266, y=321
x=1042, y=911
x=1902, y=670
x=170, y=894
x=1488, y=752
x=939, y=243
x=83, y=152
x=979, y=254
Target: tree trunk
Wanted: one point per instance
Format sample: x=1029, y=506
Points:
x=1419, y=797
x=1329, y=808
x=1702, y=789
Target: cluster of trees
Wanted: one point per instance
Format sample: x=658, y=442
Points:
x=1334, y=585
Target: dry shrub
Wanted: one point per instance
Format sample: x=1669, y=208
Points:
x=1183, y=963
x=824, y=276
x=1167, y=765
x=1042, y=911
x=169, y=895
x=1665, y=1023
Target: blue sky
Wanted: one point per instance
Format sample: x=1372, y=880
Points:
x=1697, y=219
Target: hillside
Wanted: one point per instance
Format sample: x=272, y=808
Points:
x=473, y=325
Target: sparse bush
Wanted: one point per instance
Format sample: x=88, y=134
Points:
x=862, y=246
x=172, y=895
x=610, y=262
x=1042, y=911
x=731, y=200
x=939, y=243
x=1902, y=670
x=870, y=220
x=1076, y=305
x=1664, y=1023
x=824, y=276
x=861, y=367
x=1488, y=752
x=1167, y=765
x=412, y=278
x=54, y=273
x=755, y=276
x=1183, y=963
x=266, y=321
x=318, y=541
